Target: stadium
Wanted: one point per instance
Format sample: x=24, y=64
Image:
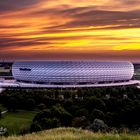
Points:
x=70, y=74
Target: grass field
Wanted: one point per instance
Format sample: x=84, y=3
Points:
x=16, y=122
x=72, y=134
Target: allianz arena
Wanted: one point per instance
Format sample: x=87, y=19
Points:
x=72, y=72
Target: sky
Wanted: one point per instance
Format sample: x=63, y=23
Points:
x=70, y=29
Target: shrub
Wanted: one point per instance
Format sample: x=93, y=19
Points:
x=98, y=125
x=3, y=131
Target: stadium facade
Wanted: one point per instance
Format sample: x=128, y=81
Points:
x=72, y=72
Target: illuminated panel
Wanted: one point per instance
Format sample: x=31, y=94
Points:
x=72, y=72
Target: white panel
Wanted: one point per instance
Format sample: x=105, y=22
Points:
x=72, y=71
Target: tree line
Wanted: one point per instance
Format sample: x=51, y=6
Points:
x=89, y=108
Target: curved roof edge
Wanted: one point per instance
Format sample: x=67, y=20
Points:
x=14, y=84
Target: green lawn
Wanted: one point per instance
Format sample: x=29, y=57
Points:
x=15, y=122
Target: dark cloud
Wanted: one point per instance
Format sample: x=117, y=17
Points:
x=130, y=2
x=60, y=11
x=115, y=19
x=8, y=5
x=91, y=16
x=99, y=55
x=11, y=26
x=16, y=42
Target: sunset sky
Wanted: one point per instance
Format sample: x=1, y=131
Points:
x=70, y=29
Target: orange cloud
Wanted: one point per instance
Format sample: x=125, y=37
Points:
x=71, y=26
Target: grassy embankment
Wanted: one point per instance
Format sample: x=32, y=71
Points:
x=72, y=134
x=17, y=122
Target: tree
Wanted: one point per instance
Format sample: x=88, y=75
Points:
x=81, y=112
x=96, y=113
x=80, y=122
x=43, y=114
x=41, y=106
x=47, y=123
x=30, y=104
x=64, y=116
x=35, y=127
x=0, y=114
x=12, y=104
x=93, y=102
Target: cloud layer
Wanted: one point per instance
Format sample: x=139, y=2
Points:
x=70, y=26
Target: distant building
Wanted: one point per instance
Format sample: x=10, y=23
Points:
x=72, y=72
